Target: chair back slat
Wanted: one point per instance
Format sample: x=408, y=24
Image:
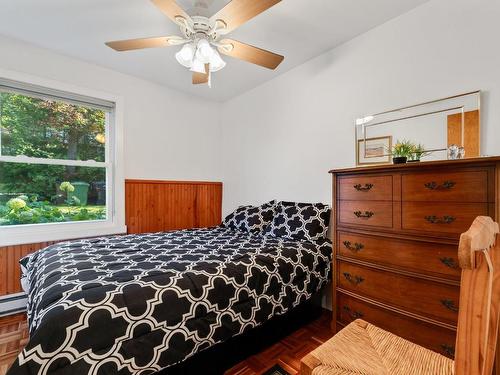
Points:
x=478, y=317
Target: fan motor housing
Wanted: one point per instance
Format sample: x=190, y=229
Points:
x=200, y=27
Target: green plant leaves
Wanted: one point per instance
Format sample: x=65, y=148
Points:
x=20, y=211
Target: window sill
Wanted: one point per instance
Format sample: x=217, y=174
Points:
x=28, y=234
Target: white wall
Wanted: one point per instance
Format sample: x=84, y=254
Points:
x=164, y=137
x=280, y=139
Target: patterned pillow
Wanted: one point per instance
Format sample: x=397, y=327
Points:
x=300, y=221
x=253, y=219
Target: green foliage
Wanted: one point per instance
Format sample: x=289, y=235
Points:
x=66, y=187
x=402, y=149
x=16, y=203
x=24, y=210
x=418, y=152
x=73, y=201
x=4, y=210
x=86, y=214
x=48, y=129
x=41, y=180
x=408, y=149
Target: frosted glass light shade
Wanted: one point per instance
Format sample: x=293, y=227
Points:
x=216, y=62
x=204, y=51
x=185, y=55
x=196, y=56
x=198, y=66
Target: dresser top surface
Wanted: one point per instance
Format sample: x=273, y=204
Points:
x=422, y=164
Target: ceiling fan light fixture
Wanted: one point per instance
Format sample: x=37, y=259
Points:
x=185, y=55
x=201, y=36
x=198, y=66
x=216, y=62
x=204, y=51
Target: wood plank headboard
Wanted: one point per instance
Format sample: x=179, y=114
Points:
x=152, y=206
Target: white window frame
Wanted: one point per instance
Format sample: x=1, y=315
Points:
x=115, y=181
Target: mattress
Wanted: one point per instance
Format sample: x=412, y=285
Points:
x=137, y=304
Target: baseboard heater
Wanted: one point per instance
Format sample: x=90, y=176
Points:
x=13, y=304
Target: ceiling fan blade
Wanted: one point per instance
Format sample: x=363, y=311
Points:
x=250, y=53
x=237, y=12
x=131, y=44
x=171, y=9
x=200, y=78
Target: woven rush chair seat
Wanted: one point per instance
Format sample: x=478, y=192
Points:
x=364, y=349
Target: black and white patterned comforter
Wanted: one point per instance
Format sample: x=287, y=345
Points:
x=138, y=303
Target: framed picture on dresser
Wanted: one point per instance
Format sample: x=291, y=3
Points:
x=374, y=150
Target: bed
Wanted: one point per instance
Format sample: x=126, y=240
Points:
x=136, y=304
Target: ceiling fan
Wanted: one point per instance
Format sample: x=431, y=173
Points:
x=201, y=34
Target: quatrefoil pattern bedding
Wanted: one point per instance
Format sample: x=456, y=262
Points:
x=138, y=303
x=253, y=219
x=302, y=221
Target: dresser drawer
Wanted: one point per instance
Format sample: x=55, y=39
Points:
x=424, y=297
x=366, y=213
x=376, y=188
x=441, y=217
x=439, y=339
x=466, y=186
x=423, y=257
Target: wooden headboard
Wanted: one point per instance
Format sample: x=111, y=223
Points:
x=152, y=206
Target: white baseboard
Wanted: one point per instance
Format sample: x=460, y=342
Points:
x=13, y=304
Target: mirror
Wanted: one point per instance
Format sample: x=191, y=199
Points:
x=428, y=128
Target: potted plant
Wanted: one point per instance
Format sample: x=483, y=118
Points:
x=418, y=152
x=401, y=151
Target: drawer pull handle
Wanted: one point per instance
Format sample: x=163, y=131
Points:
x=360, y=187
x=356, y=248
x=449, y=304
x=353, y=314
x=448, y=350
x=354, y=280
x=447, y=185
x=449, y=262
x=366, y=214
x=447, y=219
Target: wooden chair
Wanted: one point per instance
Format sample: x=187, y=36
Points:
x=364, y=349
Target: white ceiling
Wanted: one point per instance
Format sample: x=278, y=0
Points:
x=298, y=29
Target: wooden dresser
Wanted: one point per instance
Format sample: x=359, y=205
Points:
x=395, y=233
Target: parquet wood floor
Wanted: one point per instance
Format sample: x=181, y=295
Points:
x=287, y=352
x=13, y=337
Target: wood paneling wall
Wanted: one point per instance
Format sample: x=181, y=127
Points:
x=153, y=206
x=10, y=272
x=150, y=206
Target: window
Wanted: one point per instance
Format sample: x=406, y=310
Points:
x=57, y=160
